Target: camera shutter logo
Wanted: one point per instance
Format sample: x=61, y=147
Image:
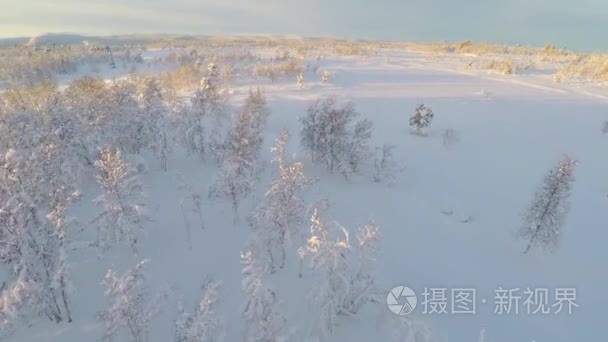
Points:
x=401, y=300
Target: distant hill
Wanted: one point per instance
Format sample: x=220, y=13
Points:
x=73, y=38
x=57, y=38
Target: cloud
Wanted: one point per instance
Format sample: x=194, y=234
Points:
x=115, y=16
x=510, y=21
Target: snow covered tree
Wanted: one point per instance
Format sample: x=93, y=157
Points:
x=138, y=57
x=358, y=147
x=38, y=265
x=311, y=132
x=325, y=76
x=35, y=185
x=544, y=218
x=204, y=124
x=203, y=325
x=39, y=173
x=241, y=153
x=128, y=123
x=61, y=225
x=129, y=310
x=122, y=213
x=213, y=75
x=110, y=57
x=257, y=108
x=328, y=137
x=262, y=321
x=192, y=200
x=329, y=257
x=154, y=112
x=234, y=183
x=385, y=165
x=421, y=119
x=362, y=288
x=105, y=114
x=347, y=280
x=281, y=213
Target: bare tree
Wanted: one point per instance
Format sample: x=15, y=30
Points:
x=385, y=165
x=544, y=218
x=450, y=137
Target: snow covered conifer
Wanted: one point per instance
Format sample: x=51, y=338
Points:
x=262, y=321
x=122, y=213
x=421, y=119
x=203, y=325
x=281, y=212
x=129, y=310
x=544, y=218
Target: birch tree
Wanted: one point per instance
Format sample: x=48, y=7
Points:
x=123, y=213
x=203, y=325
x=280, y=215
x=130, y=310
x=263, y=323
x=545, y=217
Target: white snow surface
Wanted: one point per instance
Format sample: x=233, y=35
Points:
x=512, y=130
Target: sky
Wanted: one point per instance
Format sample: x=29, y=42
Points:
x=580, y=24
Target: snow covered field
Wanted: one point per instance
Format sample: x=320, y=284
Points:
x=448, y=220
